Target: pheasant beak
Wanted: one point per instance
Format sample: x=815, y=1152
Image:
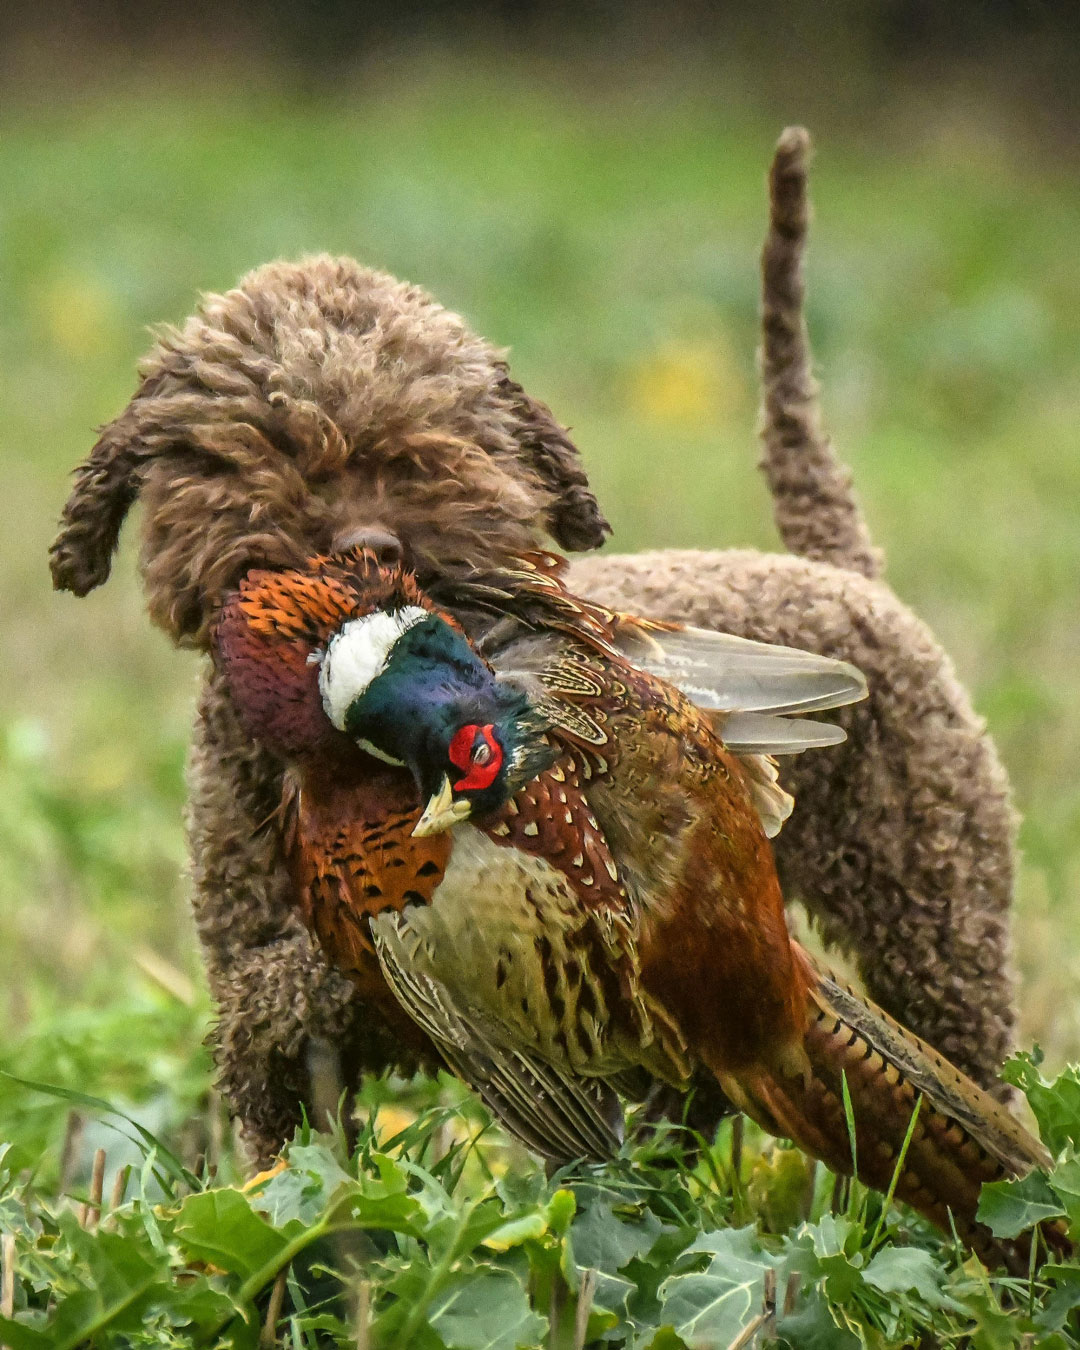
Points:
x=442, y=811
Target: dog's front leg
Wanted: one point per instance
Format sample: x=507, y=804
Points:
x=276, y=998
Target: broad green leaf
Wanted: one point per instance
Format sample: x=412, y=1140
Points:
x=221, y=1228
x=408, y=1287
x=711, y=1308
x=288, y=1196
x=18, y=1336
x=486, y=1310
x=304, y=1188
x=399, y=1212
x=393, y=1175
x=515, y=1232
x=828, y=1251
x=1008, y=1208
x=120, y=1278
x=1056, y=1104
x=561, y=1209
x=649, y=1272
x=835, y=1235
x=605, y=1243
x=1064, y=1295
x=518, y=1188
x=902, y=1270
x=813, y=1326
x=994, y=1327
x=1065, y=1183
x=195, y=1303
x=664, y=1338
x=319, y=1163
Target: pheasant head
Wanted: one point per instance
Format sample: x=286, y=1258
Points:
x=350, y=655
x=408, y=687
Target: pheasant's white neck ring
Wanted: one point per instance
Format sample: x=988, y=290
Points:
x=358, y=653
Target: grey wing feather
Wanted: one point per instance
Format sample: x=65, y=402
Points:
x=748, y=733
x=719, y=670
x=557, y=1116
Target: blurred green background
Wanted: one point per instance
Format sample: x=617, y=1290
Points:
x=592, y=196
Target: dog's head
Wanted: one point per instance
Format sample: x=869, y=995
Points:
x=317, y=407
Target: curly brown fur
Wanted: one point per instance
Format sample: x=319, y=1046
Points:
x=321, y=403
x=815, y=510
x=317, y=397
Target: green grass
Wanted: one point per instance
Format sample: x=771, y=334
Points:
x=428, y=1235
x=425, y=1236
x=610, y=240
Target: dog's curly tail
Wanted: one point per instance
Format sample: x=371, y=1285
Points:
x=814, y=506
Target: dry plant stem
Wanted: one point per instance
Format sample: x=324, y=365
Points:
x=69, y=1149
x=91, y=1211
x=584, y=1308
x=164, y=974
x=749, y=1332
x=7, y=1277
x=119, y=1190
x=363, y=1315
x=273, y=1312
x=791, y=1293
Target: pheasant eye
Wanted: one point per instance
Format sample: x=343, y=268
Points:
x=478, y=754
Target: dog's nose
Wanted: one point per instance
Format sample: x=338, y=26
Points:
x=382, y=542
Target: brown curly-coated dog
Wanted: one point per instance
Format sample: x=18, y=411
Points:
x=321, y=404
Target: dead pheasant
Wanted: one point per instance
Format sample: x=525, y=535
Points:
x=557, y=864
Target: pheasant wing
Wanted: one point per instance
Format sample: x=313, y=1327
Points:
x=752, y=686
x=555, y=1115
x=736, y=674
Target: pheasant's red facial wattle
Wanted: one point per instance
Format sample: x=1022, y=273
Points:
x=478, y=754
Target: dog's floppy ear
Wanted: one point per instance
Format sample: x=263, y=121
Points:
x=106, y=484
x=574, y=519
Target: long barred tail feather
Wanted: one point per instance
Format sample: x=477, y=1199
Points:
x=961, y=1137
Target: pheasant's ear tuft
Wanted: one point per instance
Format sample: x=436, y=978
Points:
x=531, y=753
